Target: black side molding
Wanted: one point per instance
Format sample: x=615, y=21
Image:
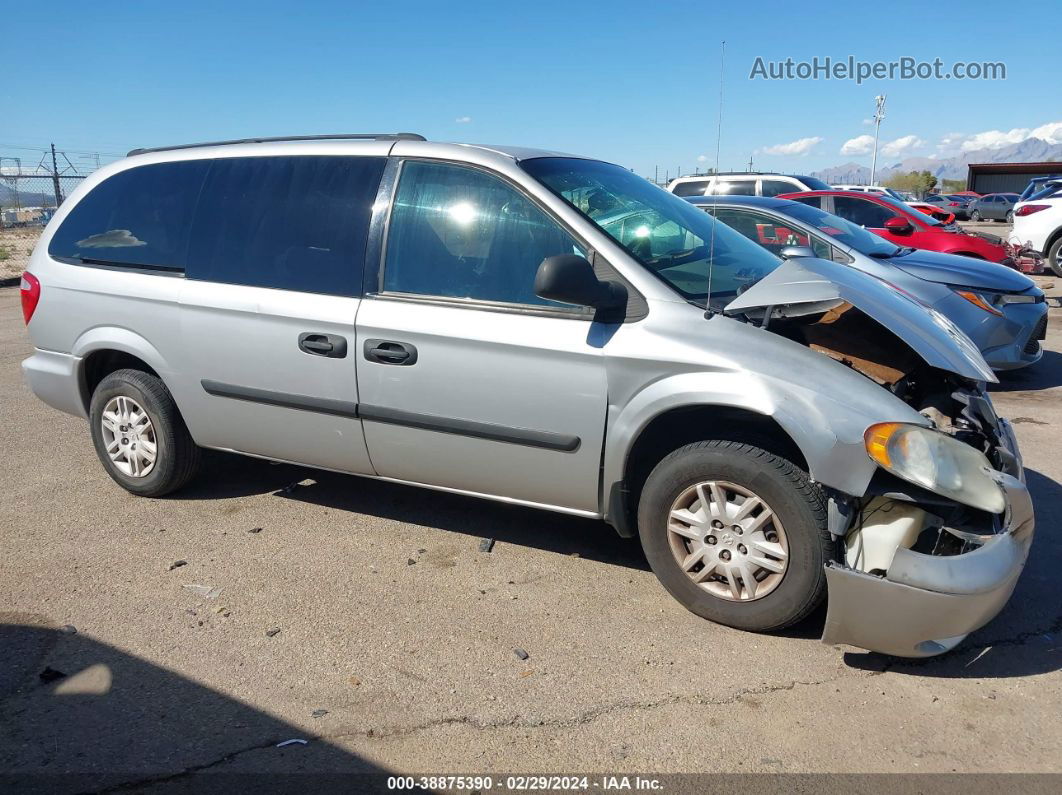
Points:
x=546, y=440
x=340, y=408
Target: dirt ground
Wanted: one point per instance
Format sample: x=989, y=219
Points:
x=16, y=245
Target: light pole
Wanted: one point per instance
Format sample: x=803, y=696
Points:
x=879, y=114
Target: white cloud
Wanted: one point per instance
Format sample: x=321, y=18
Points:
x=702, y=158
x=995, y=139
x=798, y=147
x=860, y=145
x=953, y=143
x=868, y=122
x=901, y=145
x=463, y=120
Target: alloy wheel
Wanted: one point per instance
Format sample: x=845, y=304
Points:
x=129, y=437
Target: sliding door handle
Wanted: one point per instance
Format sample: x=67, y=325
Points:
x=390, y=352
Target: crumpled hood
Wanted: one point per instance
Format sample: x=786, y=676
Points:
x=961, y=271
x=818, y=284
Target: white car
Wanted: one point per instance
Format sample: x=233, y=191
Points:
x=1038, y=224
x=744, y=183
x=872, y=189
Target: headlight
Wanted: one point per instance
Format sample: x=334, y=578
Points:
x=935, y=461
x=979, y=301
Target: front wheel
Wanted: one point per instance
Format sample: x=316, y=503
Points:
x=1010, y=217
x=139, y=434
x=736, y=534
x=975, y=216
x=1054, y=257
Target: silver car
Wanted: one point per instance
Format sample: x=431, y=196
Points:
x=545, y=330
x=994, y=207
x=1001, y=310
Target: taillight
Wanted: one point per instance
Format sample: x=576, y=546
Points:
x=953, y=204
x=30, y=288
x=1029, y=209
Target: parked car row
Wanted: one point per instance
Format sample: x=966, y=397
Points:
x=1001, y=310
x=777, y=426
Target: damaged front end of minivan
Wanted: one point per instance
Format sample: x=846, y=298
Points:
x=934, y=547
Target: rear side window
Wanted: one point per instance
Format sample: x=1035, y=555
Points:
x=459, y=232
x=137, y=218
x=693, y=188
x=772, y=187
x=293, y=223
x=735, y=187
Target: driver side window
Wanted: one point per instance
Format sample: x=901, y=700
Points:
x=771, y=232
x=460, y=232
x=861, y=211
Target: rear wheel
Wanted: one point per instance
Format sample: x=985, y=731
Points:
x=139, y=434
x=736, y=534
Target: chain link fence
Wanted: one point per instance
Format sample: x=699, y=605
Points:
x=30, y=199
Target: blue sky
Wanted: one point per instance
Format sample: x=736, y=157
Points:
x=632, y=82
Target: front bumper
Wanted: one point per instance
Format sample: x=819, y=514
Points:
x=926, y=604
x=1014, y=340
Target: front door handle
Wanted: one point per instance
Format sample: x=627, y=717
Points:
x=390, y=352
x=330, y=345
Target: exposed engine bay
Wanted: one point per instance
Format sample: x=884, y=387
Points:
x=895, y=513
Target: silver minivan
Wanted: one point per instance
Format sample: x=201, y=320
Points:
x=547, y=330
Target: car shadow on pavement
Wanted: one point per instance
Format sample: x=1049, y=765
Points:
x=1045, y=374
x=1026, y=637
x=82, y=716
x=227, y=475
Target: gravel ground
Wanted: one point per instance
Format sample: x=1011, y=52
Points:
x=364, y=618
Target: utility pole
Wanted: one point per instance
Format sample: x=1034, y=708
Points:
x=879, y=115
x=750, y=164
x=55, y=179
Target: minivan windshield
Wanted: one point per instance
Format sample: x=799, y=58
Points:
x=669, y=236
x=852, y=235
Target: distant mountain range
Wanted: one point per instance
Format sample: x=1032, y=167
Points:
x=25, y=198
x=1032, y=150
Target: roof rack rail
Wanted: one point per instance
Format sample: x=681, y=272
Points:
x=402, y=136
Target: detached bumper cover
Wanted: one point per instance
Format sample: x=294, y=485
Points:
x=927, y=604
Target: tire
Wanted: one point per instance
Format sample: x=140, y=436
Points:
x=1054, y=257
x=1009, y=218
x=975, y=216
x=798, y=506
x=176, y=456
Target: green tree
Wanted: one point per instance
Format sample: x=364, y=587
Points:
x=917, y=182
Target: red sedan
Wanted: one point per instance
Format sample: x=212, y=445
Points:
x=904, y=226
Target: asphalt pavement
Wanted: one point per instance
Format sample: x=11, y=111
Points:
x=153, y=643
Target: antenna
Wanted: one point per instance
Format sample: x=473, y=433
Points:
x=718, y=135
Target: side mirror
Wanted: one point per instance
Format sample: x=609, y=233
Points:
x=796, y=252
x=899, y=225
x=570, y=279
